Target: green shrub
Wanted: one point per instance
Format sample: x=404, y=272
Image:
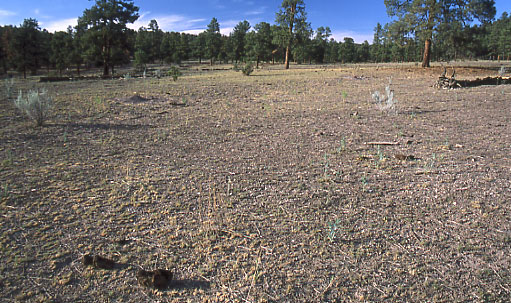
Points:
x=175, y=73
x=36, y=105
x=248, y=69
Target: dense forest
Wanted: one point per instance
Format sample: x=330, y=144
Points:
x=102, y=39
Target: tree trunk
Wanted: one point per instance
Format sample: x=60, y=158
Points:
x=105, y=68
x=288, y=50
x=291, y=24
x=427, y=53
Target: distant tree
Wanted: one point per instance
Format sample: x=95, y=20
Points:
x=75, y=56
x=106, y=29
x=62, y=49
x=213, y=40
x=155, y=37
x=259, y=43
x=291, y=16
x=279, y=41
x=143, y=48
x=377, y=49
x=199, y=46
x=172, y=49
x=320, y=43
x=26, y=45
x=500, y=37
x=423, y=17
x=347, y=51
x=302, y=46
x=332, y=51
x=237, y=38
x=4, y=49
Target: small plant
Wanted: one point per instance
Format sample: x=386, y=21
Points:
x=9, y=88
x=4, y=192
x=386, y=103
x=248, y=69
x=342, y=146
x=332, y=229
x=344, y=95
x=236, y=67
x=175, y=73
x=502, y=71
x=36, y=105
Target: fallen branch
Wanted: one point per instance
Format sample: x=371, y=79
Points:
x=382, y=143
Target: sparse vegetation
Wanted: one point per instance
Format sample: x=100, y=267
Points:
x=35, y=104
x=257, y=180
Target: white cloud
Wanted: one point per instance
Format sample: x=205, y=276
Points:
x=168, y=23
x=59, y=25
x=256, y=12
x=358, y=37
x=4, y=13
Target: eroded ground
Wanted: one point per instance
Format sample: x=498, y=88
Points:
x=265, y=188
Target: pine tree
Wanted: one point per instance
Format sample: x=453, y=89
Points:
x=291, y=16
x=106, y=29
x=423, y=17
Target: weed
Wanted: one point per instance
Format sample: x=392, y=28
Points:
x=431, y=163
x=342, y=146
x=344, y=95
x=36, y=105
x=175, y=73
x=333, y=227
x=386, y=103
x=184, y=101
x=365, y=182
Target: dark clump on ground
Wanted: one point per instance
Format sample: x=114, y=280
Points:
x=284, y=186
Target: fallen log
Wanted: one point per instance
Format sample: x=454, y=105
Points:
x=452, y=83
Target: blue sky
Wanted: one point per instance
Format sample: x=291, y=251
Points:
x=345, y=18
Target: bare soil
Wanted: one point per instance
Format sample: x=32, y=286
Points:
x=267, y=188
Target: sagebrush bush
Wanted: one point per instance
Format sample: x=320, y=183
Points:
x=35, y=104
x=385, y=103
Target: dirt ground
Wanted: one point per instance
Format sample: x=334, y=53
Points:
x=284, y=186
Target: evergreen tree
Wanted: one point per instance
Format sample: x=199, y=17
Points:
x=106, y=29
x=291, y=16
x=237, y=38
x=26, y=44
x=423, y=17
x=61, y=46
x=213, y=40
x=259, y=43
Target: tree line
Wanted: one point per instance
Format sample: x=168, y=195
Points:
x=423, y=30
